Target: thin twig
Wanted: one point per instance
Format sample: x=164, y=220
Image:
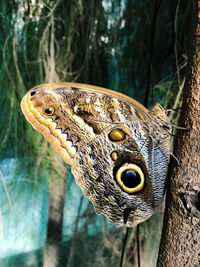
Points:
x=180, y=84
x=124, y=245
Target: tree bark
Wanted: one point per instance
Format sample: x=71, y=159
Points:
x=180, y=241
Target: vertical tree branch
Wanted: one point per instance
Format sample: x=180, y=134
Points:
x=180, y=241
x=57, y=189
x=74, y=238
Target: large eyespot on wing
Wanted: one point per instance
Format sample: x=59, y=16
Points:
x=130, y=178
x=114, y=180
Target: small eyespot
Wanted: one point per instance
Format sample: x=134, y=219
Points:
x=49, y=110
x=117, y=135
x=32, y=93
x=114, y=155
x=130, y=178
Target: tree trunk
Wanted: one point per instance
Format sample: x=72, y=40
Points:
x=57, y=191
x=180, y=241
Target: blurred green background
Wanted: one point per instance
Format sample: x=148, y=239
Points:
x=127, y=46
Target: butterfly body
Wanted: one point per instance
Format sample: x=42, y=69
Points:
x=118, y=150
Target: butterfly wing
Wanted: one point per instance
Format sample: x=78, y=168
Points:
x=79, y=113
x=106, y=137
x=125, y=181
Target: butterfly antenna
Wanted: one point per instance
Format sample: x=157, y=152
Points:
x=143, y=145
x=152, y=157
x=178, y=162
x=124, y=245
x=172, y=109
x=138, y=244
x=178, y=127
x=110, y=122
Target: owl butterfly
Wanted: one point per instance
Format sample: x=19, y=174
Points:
x=118, y=150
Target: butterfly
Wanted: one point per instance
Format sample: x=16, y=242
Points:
x=118, y=150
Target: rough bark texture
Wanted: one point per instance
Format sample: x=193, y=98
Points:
x=180, y=241
x=57, y=191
